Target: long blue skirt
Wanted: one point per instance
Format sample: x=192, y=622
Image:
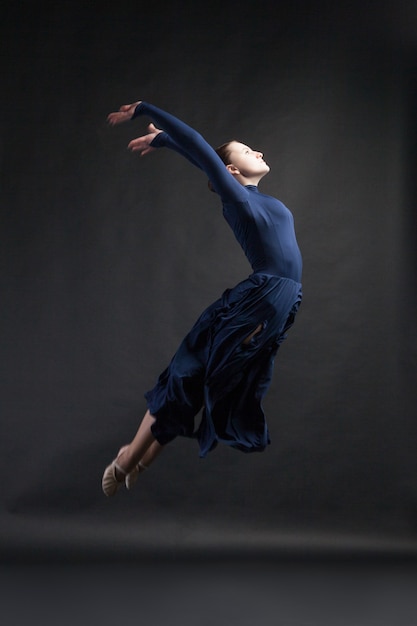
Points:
x=214, y=370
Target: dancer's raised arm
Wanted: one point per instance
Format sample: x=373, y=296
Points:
x=183, y=139
x=124, y=114
x=143, y=144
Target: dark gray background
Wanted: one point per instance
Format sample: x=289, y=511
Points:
x=108, y=259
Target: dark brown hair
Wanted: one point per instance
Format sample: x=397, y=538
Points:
x=223, y=152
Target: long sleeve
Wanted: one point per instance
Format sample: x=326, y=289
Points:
x=189, y=143
x=163, y=140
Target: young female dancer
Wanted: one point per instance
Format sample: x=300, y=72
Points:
x=224, y=364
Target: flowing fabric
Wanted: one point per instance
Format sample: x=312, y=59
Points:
x=215, y=370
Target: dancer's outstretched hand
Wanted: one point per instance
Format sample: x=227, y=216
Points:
x=143, y=144
x=124, y=114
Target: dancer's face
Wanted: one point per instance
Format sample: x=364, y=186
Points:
x=249, y=162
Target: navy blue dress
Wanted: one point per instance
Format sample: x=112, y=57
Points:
x=213, y=369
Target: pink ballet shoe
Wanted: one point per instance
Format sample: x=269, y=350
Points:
x=109, y=482
x=132, y=477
